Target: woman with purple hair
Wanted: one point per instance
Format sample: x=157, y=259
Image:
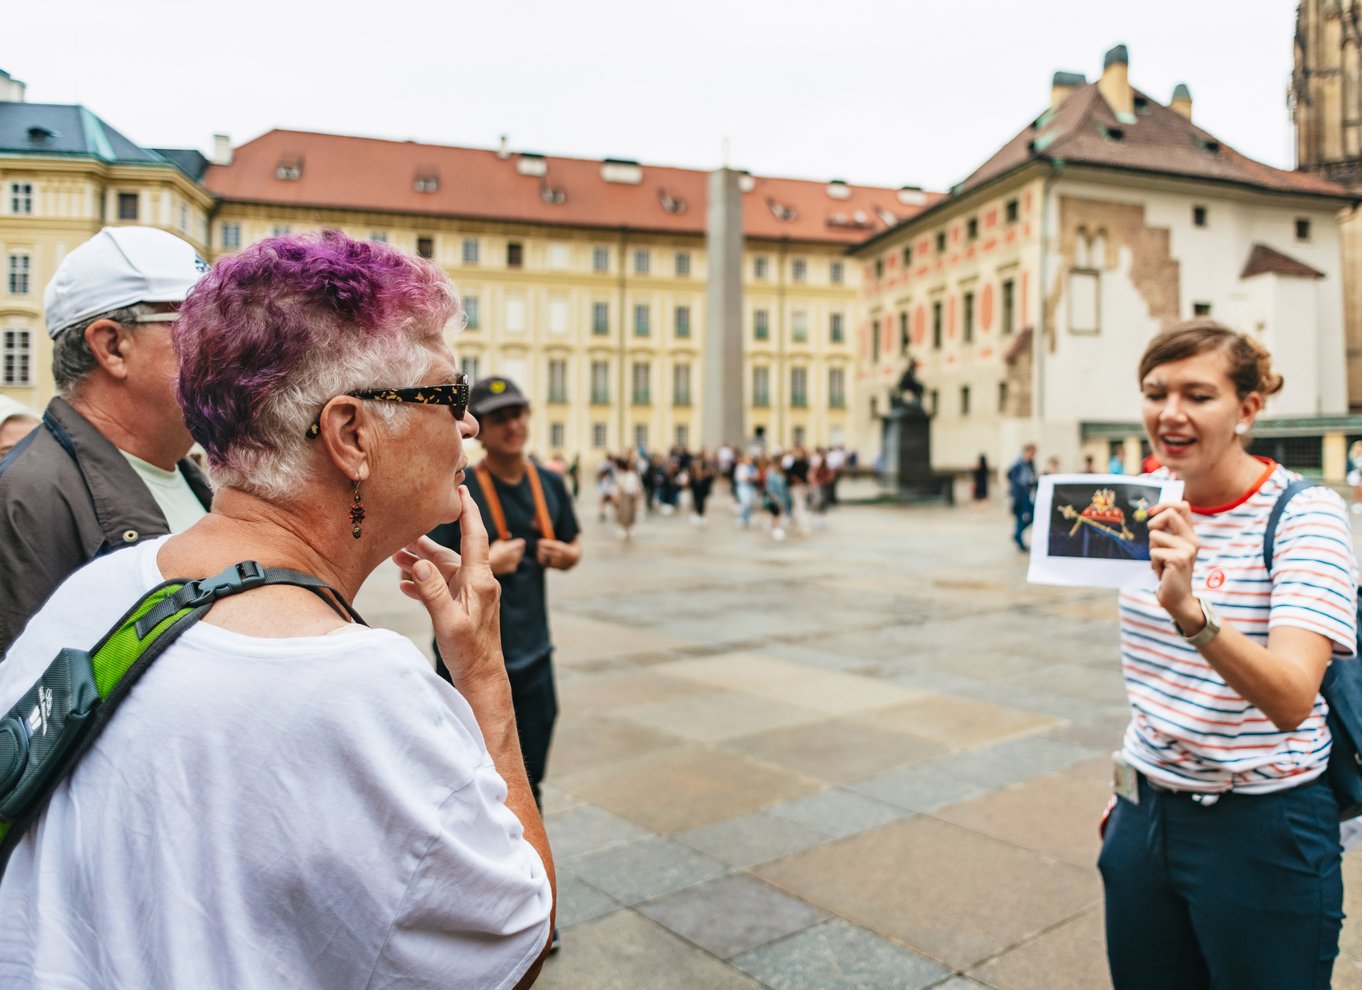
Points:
x=288, y=797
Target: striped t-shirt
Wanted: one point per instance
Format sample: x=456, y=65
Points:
x=1191, y=731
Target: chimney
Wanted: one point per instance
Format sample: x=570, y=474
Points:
x=1115, y=84
x=1063, y=84
x=11, y=89
x=1182, y=100
x=222, y=149
x=504, y=148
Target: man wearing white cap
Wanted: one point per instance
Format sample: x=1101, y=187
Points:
x=108, y=468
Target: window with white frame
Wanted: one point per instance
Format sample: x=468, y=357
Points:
x=472, y=310
x=642, y=383
x=558, y=315
x=682, y=264
x=471, y=366
x=557, y=436
x=799, y=270
x=18, y=274
x=281, y=230
x=184, y=218
x=642, y=261
x=16, y=358
x=600, y=384
x=837, y=328
x=836, y=273
x=378, y=237
x=761, y=325
x=799, y=326
x=21, y=197
x=642, y=320
x=470, y=250
x=600, y=259
x=515, y=314
x=761, y=387
x=683, y=436
x=640, y=436
x=761, y=267
x=600, y=318
x=799, y=388
x=558, y=375
x=837, y=388
x=598, y=436
x=231, y=236
x=681, y=384
x=682, y=321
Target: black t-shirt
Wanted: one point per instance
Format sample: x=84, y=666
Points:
x=524, y=610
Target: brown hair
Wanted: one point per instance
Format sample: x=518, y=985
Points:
x=1250, y=364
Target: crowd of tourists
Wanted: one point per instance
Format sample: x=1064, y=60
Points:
x=786, y=489
x=287, y=797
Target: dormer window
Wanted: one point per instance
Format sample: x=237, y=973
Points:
x=838, y=189
x=552, y=195
x=40, y=135
x=781, y=211
x=622, y=170
x=1208, y=145
x=532, y=164
x=1111, y=133
x=426, y=183
x=670, y=203
x=289, y=170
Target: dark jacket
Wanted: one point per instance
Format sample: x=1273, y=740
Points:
x=66, y=496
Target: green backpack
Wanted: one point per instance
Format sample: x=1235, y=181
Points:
x=59, y=717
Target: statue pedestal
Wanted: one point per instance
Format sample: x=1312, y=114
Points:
x=907, y=454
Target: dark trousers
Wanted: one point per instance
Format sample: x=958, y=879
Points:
x=1242, y=894
x=1023, y=512
x=535, y=699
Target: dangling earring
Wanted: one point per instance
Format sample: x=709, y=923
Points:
x=356, y=512
x=1240, y=429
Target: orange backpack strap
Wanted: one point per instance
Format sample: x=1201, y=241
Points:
x=489, y=492
x=541, y=505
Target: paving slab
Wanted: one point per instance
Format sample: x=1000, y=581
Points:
x=937, y=888
x=1069, y=956
x=746, y=840
x=582, y=741
x=715, y=716
x=837, y=750
x=578, y=901
x=587, y=829
x=959, y=723
x=836, y=955
x=580, y=693
x=680, y=788
x=732, y=914
x=837, y=813
x=642, y=869
x=626, y=951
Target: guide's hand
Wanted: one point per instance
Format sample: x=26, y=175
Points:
x=461, y=595
x=556, y=553
x=1173, y=546
x=505, y=555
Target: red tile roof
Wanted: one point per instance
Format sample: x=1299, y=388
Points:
x=1264, y=260
x=1084, y=130
x=355, y=173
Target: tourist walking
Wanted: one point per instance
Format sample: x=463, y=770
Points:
x=628, y=492
x=702, y=475
x=1221, y=859
x=1021, y=482
x=979, y=483
x=745, y=487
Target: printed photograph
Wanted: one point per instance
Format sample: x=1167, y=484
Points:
x=1103, y=522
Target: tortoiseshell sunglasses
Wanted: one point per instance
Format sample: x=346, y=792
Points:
x=455, y=396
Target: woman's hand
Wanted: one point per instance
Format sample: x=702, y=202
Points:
x=1173, y=547
x=461, y=594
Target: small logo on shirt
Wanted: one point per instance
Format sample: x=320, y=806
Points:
x=1215, y=579
x=42, y=711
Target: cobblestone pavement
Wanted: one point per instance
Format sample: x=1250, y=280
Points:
x=867, y=757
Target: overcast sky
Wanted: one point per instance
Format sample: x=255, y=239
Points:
x=908, y=92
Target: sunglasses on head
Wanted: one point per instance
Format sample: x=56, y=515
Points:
x=454, y=395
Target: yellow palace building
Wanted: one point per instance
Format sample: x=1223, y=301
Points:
x=587, y=281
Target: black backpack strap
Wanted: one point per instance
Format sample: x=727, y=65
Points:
x=43, y=736
x=1270, y=534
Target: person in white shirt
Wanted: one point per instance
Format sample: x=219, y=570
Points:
x=288, y=798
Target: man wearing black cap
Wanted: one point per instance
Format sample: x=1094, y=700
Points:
x=532, y=526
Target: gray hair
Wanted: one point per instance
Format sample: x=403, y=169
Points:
x=277, y=472
x=72, y=359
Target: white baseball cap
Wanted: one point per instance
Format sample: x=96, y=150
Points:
x=118, y=267
x=9, y=408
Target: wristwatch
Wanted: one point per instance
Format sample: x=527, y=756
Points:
x=1208, y=631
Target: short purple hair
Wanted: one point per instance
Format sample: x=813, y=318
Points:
x=273, y=333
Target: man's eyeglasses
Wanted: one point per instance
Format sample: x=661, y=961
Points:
x=455, y=396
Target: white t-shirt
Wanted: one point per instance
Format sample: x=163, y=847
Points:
x=172, y=493
x=308, y=812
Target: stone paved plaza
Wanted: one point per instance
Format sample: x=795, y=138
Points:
x=870, y=757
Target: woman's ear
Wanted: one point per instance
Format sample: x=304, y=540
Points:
x=347, y=435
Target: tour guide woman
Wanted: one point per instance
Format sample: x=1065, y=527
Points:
x=287, y=798
x=1221, y=856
